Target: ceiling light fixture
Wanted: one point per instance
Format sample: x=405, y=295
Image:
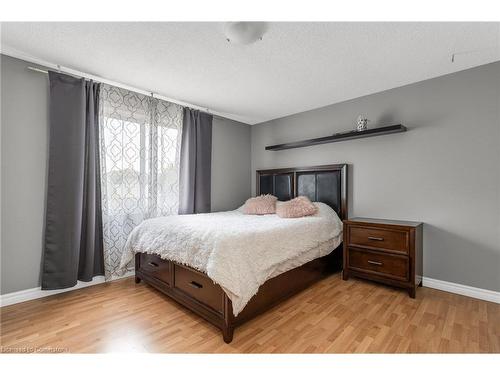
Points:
x=244, y=32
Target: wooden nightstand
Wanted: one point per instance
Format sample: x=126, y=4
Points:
x=388, y=251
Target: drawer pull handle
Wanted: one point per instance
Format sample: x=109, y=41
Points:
x=195, y=285
x=376, y=238
x=153, y=264
x=375, y=263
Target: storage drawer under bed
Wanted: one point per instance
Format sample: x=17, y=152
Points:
x=199, y=286
x=190, y=282
x=153, y=266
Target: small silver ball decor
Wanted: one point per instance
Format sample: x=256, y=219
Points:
x=362, y=123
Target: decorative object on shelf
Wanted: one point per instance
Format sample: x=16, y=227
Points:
x=362, y=123
x=337, y=137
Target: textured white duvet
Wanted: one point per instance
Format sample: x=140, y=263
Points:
x=239, y=252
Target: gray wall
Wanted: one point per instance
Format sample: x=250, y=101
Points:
x=444, y=171
x=24, y=107
x=24, y=116
x=230, y=164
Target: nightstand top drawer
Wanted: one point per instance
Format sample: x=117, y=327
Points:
x=378, y=238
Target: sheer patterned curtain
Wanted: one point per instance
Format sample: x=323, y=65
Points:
x=140, y=151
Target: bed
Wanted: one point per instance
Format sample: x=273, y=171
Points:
x=204, y=275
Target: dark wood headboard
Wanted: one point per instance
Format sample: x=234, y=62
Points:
x=324, y=183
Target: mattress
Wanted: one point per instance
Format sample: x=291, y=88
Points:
x=237, y=251
x=319, y=251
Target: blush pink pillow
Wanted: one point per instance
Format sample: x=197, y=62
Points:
x=297, y=207
x=262, y=205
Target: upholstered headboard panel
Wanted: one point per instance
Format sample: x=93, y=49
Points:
x=325, y=183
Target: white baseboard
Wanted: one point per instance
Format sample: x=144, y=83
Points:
x=34, y=293
x=464, y=290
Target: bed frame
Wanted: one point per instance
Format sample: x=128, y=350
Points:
x=197, y=292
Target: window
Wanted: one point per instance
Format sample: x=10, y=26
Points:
x=140, y=148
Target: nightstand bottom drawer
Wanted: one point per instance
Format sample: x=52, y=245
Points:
x=393, y=266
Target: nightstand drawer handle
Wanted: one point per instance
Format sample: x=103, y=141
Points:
x=153, y=264
x=376, y=238
x=375, y=263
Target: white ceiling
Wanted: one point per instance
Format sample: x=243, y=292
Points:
x=296, y=67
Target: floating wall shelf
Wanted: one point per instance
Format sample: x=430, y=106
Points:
x=338, y=137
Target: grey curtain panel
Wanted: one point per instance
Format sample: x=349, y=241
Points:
x=195, y=163
x=73, y=225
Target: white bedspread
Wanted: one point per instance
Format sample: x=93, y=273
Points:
x=239, y=252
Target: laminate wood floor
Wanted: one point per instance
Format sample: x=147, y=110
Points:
x=332, y=316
